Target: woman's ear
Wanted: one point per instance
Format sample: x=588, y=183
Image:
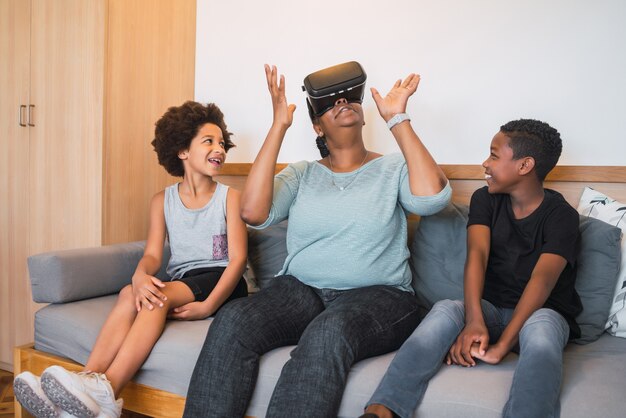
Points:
x=318, y=130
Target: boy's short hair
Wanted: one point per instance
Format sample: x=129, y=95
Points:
x=178, y=126
x=536, y=139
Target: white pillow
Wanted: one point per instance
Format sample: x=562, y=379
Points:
x=598, y=205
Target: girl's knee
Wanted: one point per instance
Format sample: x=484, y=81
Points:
x=126, y=301
x=126, y=296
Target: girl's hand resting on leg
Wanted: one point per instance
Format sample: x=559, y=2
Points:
x=190, y=311
x=146, y=291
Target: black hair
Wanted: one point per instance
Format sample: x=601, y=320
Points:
x=320, y=141
x=321, y=145
x=178, y=126
x=536, y=139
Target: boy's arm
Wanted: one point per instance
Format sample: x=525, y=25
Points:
x=237, y=254
x=542, y=280
x=145, y=285
x=475, y=331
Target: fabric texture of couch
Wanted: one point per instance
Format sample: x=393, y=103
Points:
x=79, y=283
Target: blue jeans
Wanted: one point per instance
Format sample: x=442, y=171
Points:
x=332, y=329
x=537, y=379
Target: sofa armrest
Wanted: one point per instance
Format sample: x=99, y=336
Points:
x=69, y=275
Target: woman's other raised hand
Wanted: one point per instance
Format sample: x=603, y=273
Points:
x=395, y=101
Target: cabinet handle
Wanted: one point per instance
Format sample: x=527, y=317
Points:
x=31, y=118
x=21, y=115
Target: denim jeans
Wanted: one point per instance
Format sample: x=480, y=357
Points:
x=332, y=329
x=537, y=379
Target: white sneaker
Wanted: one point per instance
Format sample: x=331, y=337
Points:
x=87, y=395
x=28, y=392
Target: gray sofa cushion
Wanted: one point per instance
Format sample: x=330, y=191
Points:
x=70, y=330
x=267, y=250
x=598, y=265
x=438, y=256
x=69, y=275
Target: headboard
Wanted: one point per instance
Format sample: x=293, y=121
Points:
x=465, y=179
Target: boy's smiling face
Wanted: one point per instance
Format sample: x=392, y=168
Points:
x=206, y=153
x=501, y=170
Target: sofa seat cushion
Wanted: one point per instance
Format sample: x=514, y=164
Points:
x=593, y=384
x=70, y=330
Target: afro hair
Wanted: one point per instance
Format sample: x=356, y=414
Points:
x=178, y=126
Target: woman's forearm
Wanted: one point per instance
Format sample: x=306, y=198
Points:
x=256, y=198
x=426, y=178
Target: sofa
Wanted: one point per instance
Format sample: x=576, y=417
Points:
x=80, y=287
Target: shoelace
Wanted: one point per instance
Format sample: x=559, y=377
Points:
x=99, y=376
x=98, y=385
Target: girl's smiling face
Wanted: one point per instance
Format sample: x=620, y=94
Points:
x=207, y=152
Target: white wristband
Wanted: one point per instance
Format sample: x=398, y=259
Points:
x=396, y=119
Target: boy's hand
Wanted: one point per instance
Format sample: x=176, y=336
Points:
x=283, y=112
x=395, y=101
x=146, y=291
x=494, y=354
x=190, y=311
x=461, y=352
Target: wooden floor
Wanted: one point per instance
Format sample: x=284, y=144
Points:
x=6, y=397
x=6, y=394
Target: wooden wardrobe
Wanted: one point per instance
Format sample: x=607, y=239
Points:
x=82, y=83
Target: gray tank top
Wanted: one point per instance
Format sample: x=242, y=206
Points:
x=197, y=236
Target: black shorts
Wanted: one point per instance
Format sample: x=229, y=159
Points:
x=202, y=281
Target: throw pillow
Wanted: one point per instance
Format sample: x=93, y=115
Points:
x=598, y=265
x=438, y=256
x=600, y=206
x=267, y=250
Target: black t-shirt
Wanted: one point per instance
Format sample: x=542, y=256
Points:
x=516, y=245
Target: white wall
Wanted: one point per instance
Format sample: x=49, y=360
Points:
x=482, y=62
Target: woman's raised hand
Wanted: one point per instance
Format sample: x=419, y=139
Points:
x=395, y=101
x=283, y=112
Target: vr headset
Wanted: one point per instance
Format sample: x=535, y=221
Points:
x=325, y=87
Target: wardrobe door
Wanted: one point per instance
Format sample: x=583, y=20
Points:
x=67, y=88
x=150, y=67
x=14, y=100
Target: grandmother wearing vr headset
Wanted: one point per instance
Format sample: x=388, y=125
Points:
x=344, y=293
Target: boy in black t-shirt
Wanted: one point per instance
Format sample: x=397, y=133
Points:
x=518, y=287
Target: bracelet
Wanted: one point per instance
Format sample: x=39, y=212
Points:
x=396, y=119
